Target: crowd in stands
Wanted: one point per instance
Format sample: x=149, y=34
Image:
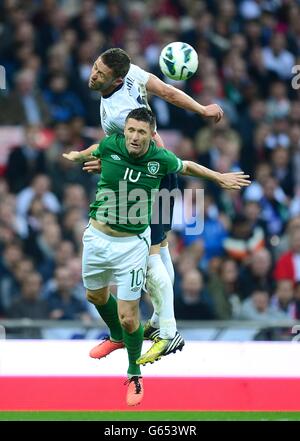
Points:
x=245, y=264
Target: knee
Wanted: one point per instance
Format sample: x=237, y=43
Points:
x=128, y=322
x=158, y=281
x=96, y=298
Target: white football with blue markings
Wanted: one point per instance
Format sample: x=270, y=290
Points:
x=178, y=61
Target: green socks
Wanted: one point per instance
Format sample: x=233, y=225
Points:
x=109, y=313
x=133, y=343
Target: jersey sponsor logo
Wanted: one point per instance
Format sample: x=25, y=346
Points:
x=153, y=167
x=116, y=157
x=104, y=115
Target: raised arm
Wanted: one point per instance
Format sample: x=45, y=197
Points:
x=229, y=181
x=81, y=156
x=180, y=99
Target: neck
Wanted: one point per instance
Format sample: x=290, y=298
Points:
x=143, y=152
x=109, y=90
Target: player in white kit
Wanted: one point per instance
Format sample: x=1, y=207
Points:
x=123, y=87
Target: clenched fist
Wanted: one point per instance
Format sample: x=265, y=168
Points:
x=213, y=111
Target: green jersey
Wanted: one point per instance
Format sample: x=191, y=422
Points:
x=128, y=185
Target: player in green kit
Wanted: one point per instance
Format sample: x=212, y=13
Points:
x=122, y=87
x=116, y=243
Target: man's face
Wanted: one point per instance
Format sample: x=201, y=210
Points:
x=102, y=77
x=138, y=135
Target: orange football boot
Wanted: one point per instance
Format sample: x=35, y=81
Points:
x=135, y=391
x=105, y=348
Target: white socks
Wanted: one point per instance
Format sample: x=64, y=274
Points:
x=160, y=289
x=167, y=261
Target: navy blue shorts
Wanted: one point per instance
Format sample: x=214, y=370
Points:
x=159, y=230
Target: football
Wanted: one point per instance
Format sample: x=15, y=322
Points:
x=178, y=61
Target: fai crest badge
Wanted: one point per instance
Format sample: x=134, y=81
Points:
x=153, y=167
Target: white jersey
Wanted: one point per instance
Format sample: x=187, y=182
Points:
x=131, y=94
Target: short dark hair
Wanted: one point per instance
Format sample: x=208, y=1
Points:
x=117, y=60
x=143, y=114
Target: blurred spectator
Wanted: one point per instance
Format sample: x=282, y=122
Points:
x=64, y=251
x=26, y=104
x=186, y=262
x=63, y=103
x=10, y=257
x=278, y=104
x=273, y=212
x=10, y=218
x=11, y=287
x=213, y=234
x=277, y=58
x=244, y=239
x=75, y=197
x=223, y=288
x=257, y=274
x=26, y=161
x=282, y=169
x=282, y=302
x=29, y=305
x=63, y=305
x=44, y=246
x=194, y=302
x=40, y=189
x=297, y=299
x=62, y=173
x=288, y=265
x=257, y=307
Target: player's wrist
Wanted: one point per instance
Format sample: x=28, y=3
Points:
x=202, y=110
x=217, y=177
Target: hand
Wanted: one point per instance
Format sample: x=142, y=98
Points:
x=233, y=181
x=213, y=111
x=92, y=166
x=73, y=156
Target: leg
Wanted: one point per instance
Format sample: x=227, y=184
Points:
x=130, y=279
x=160, y=288
x=96, y=279
x=159, y=275
x=161, y=292
x=106, y=305
x=133, y=339
x=133, y=333
x=166, y=259
x=164, y=249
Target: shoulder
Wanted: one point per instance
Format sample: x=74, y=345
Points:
x=164, y=154
x=112, y=139
x=111, y=142
x=166, y=158
x=136, y=73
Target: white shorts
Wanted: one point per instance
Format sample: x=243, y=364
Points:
x=120, y=261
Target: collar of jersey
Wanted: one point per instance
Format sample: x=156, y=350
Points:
x=114, y=91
